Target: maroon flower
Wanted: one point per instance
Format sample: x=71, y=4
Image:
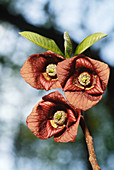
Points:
x=53, y=116
x=39, y=70
x=83, y=80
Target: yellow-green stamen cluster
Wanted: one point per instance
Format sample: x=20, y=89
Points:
x=84, y=78
x=51, y=69
x=60, y=117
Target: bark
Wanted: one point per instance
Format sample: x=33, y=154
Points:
x=90, y=146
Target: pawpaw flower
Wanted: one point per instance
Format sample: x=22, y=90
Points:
x=83, y=79
x=54, y=116
x=39, y=70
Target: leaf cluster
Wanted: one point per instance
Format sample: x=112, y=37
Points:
x=50, y=44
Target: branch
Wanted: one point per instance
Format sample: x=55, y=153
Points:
x=89, y=142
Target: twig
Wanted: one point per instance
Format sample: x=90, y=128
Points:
x=89, y=142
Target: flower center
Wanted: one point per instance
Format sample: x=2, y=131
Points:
x=51, y=70
x=60, y=117
x=84, y=78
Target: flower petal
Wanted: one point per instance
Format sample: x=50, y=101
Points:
x=53, y=131
x=32, y=78
x=31, y=70
x=70, y=133
x=82, y=100
x=82, y=61
x=70, y=86
x=56, y=85
x=55, y=97
x=65, y=69
x=37, y=120
x=71, y=117
x=103, y=72
x=57, y=58
x=97, y=89
x=46, y=107
x=47, y=85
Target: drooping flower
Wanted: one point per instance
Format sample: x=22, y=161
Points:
x=54, y=116
x=39, y=70
x=83, y=79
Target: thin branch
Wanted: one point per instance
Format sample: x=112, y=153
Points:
x=89, y=142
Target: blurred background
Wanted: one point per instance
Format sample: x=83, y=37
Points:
x=19, y=148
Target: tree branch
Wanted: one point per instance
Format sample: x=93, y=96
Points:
x=89, y=142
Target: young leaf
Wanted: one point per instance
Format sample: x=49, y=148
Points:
x=68, y=45
x=42, y=41
x=88, y=41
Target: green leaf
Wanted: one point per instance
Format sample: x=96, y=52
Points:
x=42, y=41
x=88, y=41
x=68, y=45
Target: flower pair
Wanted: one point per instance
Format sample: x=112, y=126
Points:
x=83, y=80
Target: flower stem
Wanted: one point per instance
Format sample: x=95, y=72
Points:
x=89, y=142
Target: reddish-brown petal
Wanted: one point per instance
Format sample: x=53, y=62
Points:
x=47, y=85
x=71, y=117
x=57, y=58
x=97, y=89
x=82, y=100
x=65, y=69
x=69, y=134
x=35, y=125
x=70, y=86
x=37, y=120
x=31, y=70
x=53, y=131
x=103, y=72
x=56, y=85
x=55, y=97
x=31, y=78
x=83, y=61
x=46, y=107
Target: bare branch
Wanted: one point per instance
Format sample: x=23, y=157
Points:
x=89, y=142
